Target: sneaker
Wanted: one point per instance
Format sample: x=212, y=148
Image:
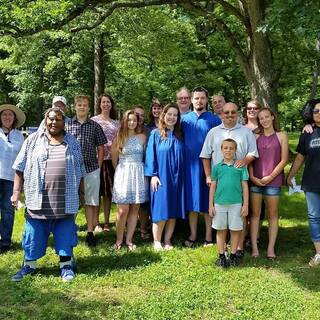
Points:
x=98, y=228
x=67, y=273
x=233, y=260
x=315, y=261
x=239, y=254
x=222, y=261
x=91, y=240
x=24, y=271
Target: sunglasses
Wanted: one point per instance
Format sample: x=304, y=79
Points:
x=316, y=111
x=230, y=112
x=252, y=108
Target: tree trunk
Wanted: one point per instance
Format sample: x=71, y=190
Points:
x=316, y=71
x=98, y=69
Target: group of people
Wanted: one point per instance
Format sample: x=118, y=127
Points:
x=185, y=162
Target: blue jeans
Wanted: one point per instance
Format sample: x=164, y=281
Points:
x=7, y=212
x=313, y=203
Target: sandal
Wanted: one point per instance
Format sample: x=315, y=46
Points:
x=131, y=246
x=207, y=243
x=168, y=247
x=189, y=243
x=117, y=246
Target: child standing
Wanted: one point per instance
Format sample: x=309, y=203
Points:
x=228, y=201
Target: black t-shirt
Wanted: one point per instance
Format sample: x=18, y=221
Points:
x=309, y=146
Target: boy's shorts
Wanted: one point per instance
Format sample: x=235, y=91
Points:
x=228, y=217
x=92, y=188
x=36, y=234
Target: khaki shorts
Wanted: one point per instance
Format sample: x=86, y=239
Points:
x=228, y=217
x=91, y=188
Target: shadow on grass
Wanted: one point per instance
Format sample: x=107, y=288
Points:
x=294, y=249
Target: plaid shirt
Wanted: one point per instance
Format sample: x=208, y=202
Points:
x=32, y=159
x=90, y=136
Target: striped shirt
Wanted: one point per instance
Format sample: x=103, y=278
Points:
x=32, y=161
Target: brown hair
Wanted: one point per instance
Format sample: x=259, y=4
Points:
x=81, y=97
x=244, y=113
x=229, y=140
x=162, y=126
x=122, y=135
x=275, y=123
x=113, y=111
x=151, y=117
x=15, y=121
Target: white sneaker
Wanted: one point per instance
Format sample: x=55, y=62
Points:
x=315, y=261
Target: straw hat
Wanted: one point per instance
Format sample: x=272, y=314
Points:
x=21, y=117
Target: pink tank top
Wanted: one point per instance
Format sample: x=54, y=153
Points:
x=269, y=149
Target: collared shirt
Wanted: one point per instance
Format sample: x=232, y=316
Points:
x=10, y=146
x=90, y=136
x=32, y=160
x=246, y=142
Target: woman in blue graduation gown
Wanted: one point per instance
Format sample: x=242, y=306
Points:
x=165, y=166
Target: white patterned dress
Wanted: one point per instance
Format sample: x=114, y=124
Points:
x=130, y=185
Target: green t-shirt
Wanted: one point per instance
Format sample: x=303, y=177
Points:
x=228, y=178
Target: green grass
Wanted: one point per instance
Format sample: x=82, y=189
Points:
x=181, y=284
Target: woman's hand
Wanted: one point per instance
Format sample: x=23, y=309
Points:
x=265, y=180
x=256, y=181
x=155, y=182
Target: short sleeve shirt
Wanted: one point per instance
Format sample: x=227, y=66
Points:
x=229, y=178
x=90, y=136
x=309, y=146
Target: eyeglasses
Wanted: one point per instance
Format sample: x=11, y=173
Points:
x=183, y=98
x=230, y=112
x=316, y=111
x=252, y=108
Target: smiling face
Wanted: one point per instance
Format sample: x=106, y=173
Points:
x=265, y=119
x=252, y=110
x=183, y=100
x=156, y=110
x=7, y=119
x=316, y=114
x=132, y=122
x=230, y=115
x=228, y=149
x=55, y=123
x=171, y=118
x=140, y=112
x=105, y=104
x=217, y=104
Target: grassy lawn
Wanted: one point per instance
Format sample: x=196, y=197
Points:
x=180, y=284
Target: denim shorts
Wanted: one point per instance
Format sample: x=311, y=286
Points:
x=37, y=231
x=266, y=191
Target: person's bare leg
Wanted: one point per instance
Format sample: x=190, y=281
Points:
x=132, y=222
x=157, y=230
x=91, y=214
x=272, y=210
x=235, y=237
x=169, y=229
x=221, y=240
x=255, y=200
x=122, y=214
x=144, y=221
x=208, y=223
x=106, y=211
x=193, y=224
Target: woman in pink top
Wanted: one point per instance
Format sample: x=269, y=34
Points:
x=267, y=176
x=107, y=118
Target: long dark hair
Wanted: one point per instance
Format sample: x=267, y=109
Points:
x=113, y=111
x=307, y=110
x=151, y=117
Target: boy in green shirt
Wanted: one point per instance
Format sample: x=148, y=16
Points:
x=228, y=201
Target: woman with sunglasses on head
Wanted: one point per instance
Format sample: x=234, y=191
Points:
x=267, y=176
x=11, y=140
x=309, y=154
x=129, y=188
